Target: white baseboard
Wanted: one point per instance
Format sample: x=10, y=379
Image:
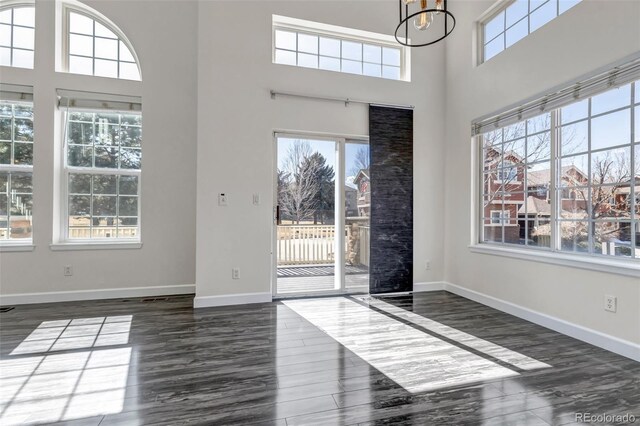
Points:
x=231, y=299
x=430, y=286
x=107, y=293
x=596, y=338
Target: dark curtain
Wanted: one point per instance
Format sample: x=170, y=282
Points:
x=391, y=167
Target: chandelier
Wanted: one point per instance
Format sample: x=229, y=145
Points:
x=426, y=26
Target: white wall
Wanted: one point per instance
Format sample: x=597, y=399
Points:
x=587, y=37
x=164, y=38
x=236, y=118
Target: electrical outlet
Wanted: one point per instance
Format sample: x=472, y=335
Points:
x=610, y=303
x=222, y=199
x=256, y=199
x=428, y=265
x=68, y=270
x=235, y=273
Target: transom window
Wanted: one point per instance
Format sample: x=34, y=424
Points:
x=95, y=49
x=102, y=171
x=16, y=171
x=17, y=36
x=587, y=203
x=311, y=47
x=517, y=20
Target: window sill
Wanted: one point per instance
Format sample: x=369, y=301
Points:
x=97, y=245
x=11, y=247
x=592, y=263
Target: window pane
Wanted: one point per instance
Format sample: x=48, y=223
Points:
x=5, y=56
x=5, y=152
x=128, y=185
x=22, y=58
x=104, y=205
x=517, y=33
x=129, y=71
x=79, y=183
x=105, y=68
x=5, y=35
x=131, y=158
x=494, y=27
x=494, y=47
x=128, y=206
x=391, y=56
x=24, y=16
x=5, y=16
x=611, y=99
x=542, y=15
x=106, y=157
x=574, y=138
x=330, y=47
x=80, y=24
x=574, y=236
x=80, y=133
x=285, y=57
x=79, y=205
x=23, y=153
x=104, y=184
x=535, y=4
x=392, y=73
x=637, y=94
x=518, y=10
x=285, y=40
x=307, y=61
x=351, y=50
x=372, y=70
x=102, y=31
x=78, y=65
x=5, y=129
x=575, y=111
x=79, y=156
x=353, y=67
x=23, y=38
x=130, y=135
x=332, y=64
x=23, y=129
x=307, y=43
x=125, y=53
x=106, y=48
x=539, y=123
x=372, y=53
x=612, y=238
x=610, y=167
x=80, y=45
x=611, y=130
x=637, y=125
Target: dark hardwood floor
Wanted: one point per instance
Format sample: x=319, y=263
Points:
x=427, y=359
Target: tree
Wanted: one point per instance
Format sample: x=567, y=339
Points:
x=305, y=184
x=361, y=160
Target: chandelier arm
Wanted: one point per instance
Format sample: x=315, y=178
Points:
x=405, y=21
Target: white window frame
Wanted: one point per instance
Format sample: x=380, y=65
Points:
x=12, y=4
x=494, y=11
x=66, y=242
x=591, y=260
x=78, y=8
x=16, y=244
x=301, y=26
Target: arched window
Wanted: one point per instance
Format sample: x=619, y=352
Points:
x=96, y=47
x=17, y=35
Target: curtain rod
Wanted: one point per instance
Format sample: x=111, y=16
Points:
x=346, y=101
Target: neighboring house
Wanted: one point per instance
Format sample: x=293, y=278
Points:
x=350, y=201
x=362, y=182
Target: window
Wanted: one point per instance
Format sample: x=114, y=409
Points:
x=326, y=47
x=102, y=174
x=95, y=48
x=16, y=171
x=519, y=19
x=17, y=36
x=588, y=202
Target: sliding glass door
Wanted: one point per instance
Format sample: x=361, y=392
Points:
x=321, y=217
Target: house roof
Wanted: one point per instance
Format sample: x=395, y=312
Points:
x=543, y=177
x=362, y=173
x=536, y=206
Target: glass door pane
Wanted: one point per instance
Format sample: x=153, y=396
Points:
x=357, y=196
x=305, y=228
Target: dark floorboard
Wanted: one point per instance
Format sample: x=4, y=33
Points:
x=168, y=364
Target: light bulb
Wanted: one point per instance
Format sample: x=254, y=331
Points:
x=423, y=21
x=439, y=6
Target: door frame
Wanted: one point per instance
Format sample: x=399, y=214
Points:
x=339, y=215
